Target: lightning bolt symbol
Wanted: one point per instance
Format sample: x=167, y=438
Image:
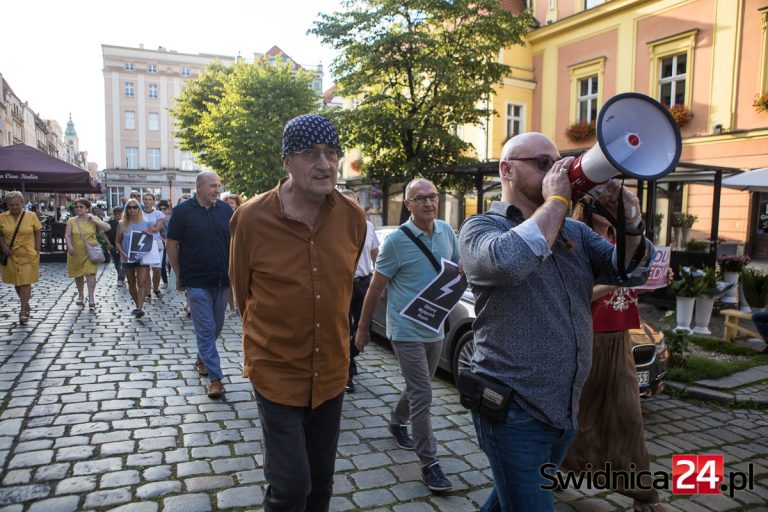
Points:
x=448, y=288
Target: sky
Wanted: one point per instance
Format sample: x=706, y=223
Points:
x=51, y=50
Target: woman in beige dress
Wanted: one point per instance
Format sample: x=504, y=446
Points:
x=81, y=229
x=23, y=267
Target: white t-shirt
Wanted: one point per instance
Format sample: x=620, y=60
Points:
x=152, y=217
x=365, y=265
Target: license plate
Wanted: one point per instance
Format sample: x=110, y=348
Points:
x=643, y=378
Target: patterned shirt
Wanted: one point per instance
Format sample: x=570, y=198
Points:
x=533, y=330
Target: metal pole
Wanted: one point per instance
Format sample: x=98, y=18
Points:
x=715, y=216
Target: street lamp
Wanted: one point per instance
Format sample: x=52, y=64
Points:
x=171, y=176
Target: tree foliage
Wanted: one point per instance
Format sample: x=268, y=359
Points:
x=232, y=119
x=416, y=69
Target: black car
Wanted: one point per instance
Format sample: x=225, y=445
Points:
x=649, y=349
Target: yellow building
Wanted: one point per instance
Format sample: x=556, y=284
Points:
x=708, y=58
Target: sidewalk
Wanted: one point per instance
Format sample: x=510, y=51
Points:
x=101, y=411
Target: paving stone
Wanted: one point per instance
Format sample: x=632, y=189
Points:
x=230, y=465
x=145, y=459
x=23, y=493
x=27, y=459
x=154, y=489
x=78, y=484
x=106, y=498
x=210, y=452
x=75, y=453
x=197, y=467
x=207, y=483
x=157, y=473
x=188, y=503
x=51, y=472
x=97, y=466
x=373, y=498
x=17, y=477
x=240, y=497
x=58, y=504
x=144, y=506
x=119, y=479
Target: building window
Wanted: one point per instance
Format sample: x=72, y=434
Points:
x=317, y=85
x=587, y=100
x=115, y=196
x=128, y=66
x=154, y=121
x=185, y=72
x=764, y=50
x=129, y=89
x=671, y=65
x=586, y=92
x=153, y=158
x=152, y=68
x=588, y=4
x=515, y=120
x=131, y=158
x=672, y=78
x=153, y=90
x=130, y=120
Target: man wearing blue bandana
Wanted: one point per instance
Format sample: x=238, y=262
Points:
x=292, y=261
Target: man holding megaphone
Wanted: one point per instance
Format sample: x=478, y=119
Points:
x=532, y=270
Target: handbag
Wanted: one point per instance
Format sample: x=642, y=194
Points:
x=95, y=252
x=3, y=257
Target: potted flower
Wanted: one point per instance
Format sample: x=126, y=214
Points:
x=754, y=284
x=761, y=102
x=580, y=131
x=709, y=289
x=681, y=114
x=685, y=290
x=731, y=266
x=682, y=223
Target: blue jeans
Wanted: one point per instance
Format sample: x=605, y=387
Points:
x=760, y=319
x=207, y=306
x=516, y=449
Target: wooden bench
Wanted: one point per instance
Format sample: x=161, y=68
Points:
x=732, y=327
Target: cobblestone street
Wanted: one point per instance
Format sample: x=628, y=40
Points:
x=101, y=411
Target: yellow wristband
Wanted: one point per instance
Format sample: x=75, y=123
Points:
x=565, y=201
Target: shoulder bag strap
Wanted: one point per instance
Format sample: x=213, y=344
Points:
x=423, y=247
x=18, y=225
x=77, y=223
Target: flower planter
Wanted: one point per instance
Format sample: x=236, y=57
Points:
x=702, y=315
x=684, y=313
x=732, y=295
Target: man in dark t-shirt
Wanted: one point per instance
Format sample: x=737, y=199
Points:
x=198, y=249
x=114, y=222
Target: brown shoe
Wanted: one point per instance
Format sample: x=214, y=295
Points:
x=215, y=389
x=201, y=368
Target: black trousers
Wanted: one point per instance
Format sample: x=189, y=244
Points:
x=359, y=289
x=298, y=479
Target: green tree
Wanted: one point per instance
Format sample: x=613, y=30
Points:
x=232, y=118
x=416, y=69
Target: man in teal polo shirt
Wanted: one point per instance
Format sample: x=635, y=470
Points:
x=404, y=270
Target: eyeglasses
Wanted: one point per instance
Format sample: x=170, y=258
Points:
x=432, y=198
x=312, y=155
x=543, y=162
x=131, y=207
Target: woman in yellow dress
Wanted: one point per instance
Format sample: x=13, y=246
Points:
x=23, y=267
x=81, y=229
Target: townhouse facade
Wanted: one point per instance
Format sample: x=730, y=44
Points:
x=141, y=86
x=704, y=58
x=20, y=124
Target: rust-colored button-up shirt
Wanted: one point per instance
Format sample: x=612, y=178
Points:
x=293, y=288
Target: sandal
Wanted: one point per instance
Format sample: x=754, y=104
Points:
x=92, y=305
x=23, y=318
x=79, y=302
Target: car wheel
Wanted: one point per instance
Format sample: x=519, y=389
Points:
x=462, y=353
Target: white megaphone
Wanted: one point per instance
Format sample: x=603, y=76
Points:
x=636, y=137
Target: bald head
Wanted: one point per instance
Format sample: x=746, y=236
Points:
x=207, y=188
x=529, y=142
x=418, y=182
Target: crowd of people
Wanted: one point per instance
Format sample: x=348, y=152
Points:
x=303, y=269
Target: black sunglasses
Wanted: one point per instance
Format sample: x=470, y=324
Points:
x=131, y=207
x=544, y=163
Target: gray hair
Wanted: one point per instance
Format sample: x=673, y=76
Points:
x=413, y=182
x=14, y=194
